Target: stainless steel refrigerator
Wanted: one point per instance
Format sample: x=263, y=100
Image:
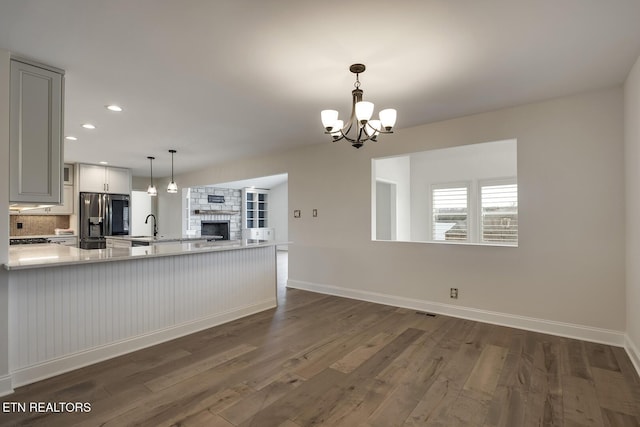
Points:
x=102, y=215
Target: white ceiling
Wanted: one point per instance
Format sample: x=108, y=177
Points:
x=218, y=80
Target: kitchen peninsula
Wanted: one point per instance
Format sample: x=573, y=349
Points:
x=72, y=307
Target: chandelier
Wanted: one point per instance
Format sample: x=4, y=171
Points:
x=360, y=127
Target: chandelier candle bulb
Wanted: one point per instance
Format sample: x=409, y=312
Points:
x=359, y=128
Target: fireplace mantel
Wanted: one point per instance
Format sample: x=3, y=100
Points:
x=214, y=212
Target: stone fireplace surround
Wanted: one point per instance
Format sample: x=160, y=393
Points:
x=233, y=203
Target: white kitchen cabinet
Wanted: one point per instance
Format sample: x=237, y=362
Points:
x=65, y=240
x=255, y=205
x=35, y=133
x=67, y=174
x=258, y=233
x=104, y=179
x=117, y=243
x=66, y=208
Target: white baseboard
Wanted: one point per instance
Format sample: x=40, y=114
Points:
x=633, y=352
x=5, y=385
x=569, y=330
x=70, y=362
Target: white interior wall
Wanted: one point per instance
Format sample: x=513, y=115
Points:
x=278, y=212
x=632, y=181
x=168, y=209
x=569, y=266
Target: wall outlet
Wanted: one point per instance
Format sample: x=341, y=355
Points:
x=18, y=225
x=453, y=293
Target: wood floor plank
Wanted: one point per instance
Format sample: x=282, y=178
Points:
x=251, y=404
x=508, y=406
x=575, y=361
x=580, y=401
x=461, y=351
x=544, y=401
x=287, y=406
x=614, y=393
x=363, y=403
x=486, y=372
x=201, y=419
x=361, y=353
x=601, y=356
x=191, y=370
x=357, y=382
x=617, y=419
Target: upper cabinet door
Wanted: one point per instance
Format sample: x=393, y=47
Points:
x=118, y=180
x=35, y=130
x=92, y=179
x=104, y=179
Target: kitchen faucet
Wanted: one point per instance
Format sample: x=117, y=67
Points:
x=155, y=224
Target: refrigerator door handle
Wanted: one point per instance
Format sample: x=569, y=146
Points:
x=107, y=215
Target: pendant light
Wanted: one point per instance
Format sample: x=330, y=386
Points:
x=151, y=190
x=172, y=187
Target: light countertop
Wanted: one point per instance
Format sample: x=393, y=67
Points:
x=50, y=255
x=162, y=239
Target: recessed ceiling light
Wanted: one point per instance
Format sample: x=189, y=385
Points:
x=114, y=107
x=104, y=163
x=71, y=138
x=88, y=126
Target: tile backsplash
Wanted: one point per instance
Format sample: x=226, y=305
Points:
x=36, y=225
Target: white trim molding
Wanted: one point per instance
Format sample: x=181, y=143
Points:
x=568, y=330
x=5, y=385
x=633, y=352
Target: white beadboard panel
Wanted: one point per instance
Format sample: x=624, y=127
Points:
x=58, y=312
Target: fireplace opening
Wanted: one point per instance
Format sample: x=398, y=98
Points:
x=215, y=228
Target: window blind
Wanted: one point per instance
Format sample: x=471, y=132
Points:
x=450, y=213
x=499, y=205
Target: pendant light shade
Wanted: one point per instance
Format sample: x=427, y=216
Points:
x=172, y=187
x=151, y=190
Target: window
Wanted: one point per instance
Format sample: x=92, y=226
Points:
x=450, y=210
x=499, y=211
x=465, y=194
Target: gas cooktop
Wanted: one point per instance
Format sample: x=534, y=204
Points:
x=29, y=241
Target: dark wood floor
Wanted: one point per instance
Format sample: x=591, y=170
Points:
x=323, y=360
